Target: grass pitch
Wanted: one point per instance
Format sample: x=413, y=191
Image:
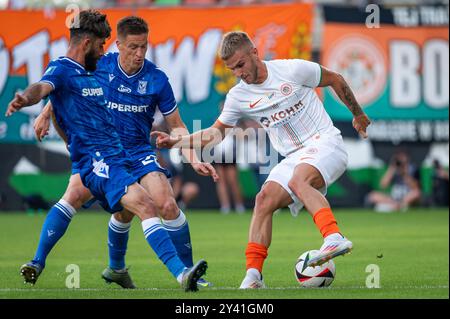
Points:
x=411, y=251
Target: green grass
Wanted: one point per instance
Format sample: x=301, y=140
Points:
x=414, y=245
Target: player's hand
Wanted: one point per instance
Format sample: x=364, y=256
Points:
x=16, y=104
x=163, y=140
x=360, y=123
x=41, y=126
x=205, y=169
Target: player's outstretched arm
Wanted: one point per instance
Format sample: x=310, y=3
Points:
x=33, y=94
x=177, y=125
x=210, y=136
x=343, y=91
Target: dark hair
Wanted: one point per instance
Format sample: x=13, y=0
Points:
x=90, y=23
x=131, y=25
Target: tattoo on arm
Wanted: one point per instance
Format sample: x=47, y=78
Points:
x=350, y=100
x=36, y=92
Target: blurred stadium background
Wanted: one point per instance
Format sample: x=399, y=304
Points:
x=398, y=70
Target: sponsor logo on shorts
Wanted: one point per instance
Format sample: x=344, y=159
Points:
x=312, y=150
x=101, y=169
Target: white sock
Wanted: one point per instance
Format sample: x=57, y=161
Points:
x=177, y=222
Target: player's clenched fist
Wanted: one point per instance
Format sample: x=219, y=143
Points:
x=360, y=123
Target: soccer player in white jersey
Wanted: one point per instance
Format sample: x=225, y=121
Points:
x=280, y=95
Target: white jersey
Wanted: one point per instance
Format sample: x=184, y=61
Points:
x=286, y=105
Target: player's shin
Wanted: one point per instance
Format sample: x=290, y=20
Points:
x=55, y=225
x=255, y=254
x=178, y=230
x=325, y=221
x=159, y=240
x=117, y=243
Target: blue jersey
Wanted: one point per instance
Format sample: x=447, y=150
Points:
x=81, y=112
x=133, y=99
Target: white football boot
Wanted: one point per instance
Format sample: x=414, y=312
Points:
x=253, y=280
x=334, y=245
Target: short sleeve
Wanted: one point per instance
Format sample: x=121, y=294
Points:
x=54, y=75
x=167, y=103
x=306, y=73
x=230, y=114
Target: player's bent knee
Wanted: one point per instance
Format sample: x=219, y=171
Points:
x=264, y=203
x=123, y=216
x=77, y=196
x=169, y=209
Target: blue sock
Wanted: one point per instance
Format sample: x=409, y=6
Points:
x=55, y=225
x=178, y=230
x=117, y=243
x=159, y=240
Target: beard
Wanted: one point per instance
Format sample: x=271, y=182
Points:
x=90, y=61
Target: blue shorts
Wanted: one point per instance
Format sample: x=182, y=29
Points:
x=145, y=162
x=137, y=166
x=108, y=180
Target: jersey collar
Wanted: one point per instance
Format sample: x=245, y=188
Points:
x=124, y=73
x=74, y=62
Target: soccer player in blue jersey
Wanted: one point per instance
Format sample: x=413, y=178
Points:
x=96, y=152
x=133, y=88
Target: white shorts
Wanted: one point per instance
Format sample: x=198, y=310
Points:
x=326, y=153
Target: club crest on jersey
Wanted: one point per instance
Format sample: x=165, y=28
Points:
x=100, y=168
x=286, y=89
x=122, y=88
x=111, y=77
x=142, y=87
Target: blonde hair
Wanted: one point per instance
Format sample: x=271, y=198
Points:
x=233, y=41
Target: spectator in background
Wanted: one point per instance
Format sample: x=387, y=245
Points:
x=404, y=181
x=440, y=185
x=184, y=192
x=228, y=186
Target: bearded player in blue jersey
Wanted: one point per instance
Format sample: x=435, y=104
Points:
x=109, y=171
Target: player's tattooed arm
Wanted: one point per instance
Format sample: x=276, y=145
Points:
x=345, y=94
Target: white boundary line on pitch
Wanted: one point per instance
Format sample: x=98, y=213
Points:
x=218, y=288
